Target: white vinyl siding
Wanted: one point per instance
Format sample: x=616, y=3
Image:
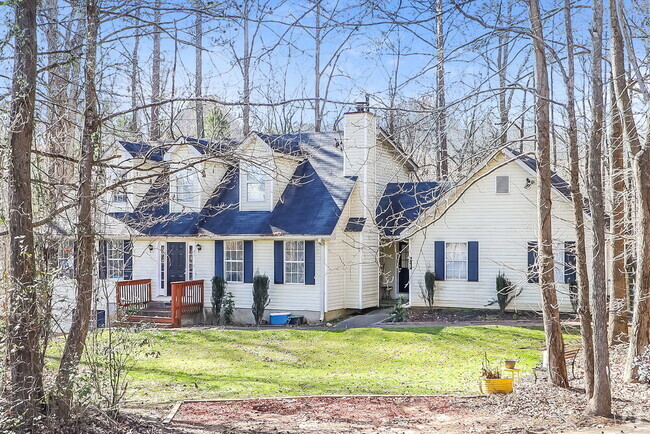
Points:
x=294, y=262
x=234, y=260
x=456, y=261
x=503, y=229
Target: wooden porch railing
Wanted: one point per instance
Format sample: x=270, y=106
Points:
x=133, y=295
x=187, y=297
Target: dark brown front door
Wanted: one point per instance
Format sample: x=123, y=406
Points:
x=175, y=264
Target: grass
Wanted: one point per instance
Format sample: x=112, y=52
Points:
x=195, y=364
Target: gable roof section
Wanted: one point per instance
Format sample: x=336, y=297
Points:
x=311, y=203
x=213, y=146
x=560, y=184
x=152, y=217
x=144, y=150
x=305, y=208
x=403, y=202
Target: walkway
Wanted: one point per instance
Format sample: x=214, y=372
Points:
x=364, y=320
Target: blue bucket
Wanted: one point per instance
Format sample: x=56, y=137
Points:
x=279, y=318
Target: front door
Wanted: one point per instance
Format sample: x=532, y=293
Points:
x=403, y=267
x=175, y=264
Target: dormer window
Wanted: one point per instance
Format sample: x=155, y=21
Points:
x=256, y=184
x=119, y=194
x=185, y=188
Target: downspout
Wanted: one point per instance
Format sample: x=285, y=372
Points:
x=323, y=264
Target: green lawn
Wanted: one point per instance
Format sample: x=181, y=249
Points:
x=249, y=363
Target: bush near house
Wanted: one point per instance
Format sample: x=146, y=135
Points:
x=506, y=292
x=428, y=291
x=260, y=296
x=218, y=291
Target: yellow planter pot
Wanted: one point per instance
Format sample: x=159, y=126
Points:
x=497, y=385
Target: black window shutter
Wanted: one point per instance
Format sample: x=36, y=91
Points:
x=248, y=261
x=439, y=266
x=278, y=259
x=570, y=262
x=533, y=270
x=128, y=259
x=218, y=258
x=472, y=261
x=310, y=262
x=101, y=259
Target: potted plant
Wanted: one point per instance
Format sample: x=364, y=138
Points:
x=491, y=381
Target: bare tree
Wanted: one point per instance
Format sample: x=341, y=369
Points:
x=154, y=127
x=198, y=68
x=601, y=401
x=584, y=310
x=85, y=240
x=24, y=358
x=135, y=79
x=639, y=336
x=554, y=340
x=443, y=157
x=618, y=306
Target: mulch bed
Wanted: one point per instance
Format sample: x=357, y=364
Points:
x=421, y=315
x=535, y=406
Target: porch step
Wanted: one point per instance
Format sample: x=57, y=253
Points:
x=155, y=312
x=156, y=321
x=159, y=304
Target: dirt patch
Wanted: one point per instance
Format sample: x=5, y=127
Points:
x=535, y=406
x=327, y=414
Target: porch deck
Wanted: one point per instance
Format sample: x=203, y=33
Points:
x=135, y=303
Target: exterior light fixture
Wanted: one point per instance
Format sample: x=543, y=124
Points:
x=151, y=247
x=198, y=247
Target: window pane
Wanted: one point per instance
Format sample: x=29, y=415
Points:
x=256, y=192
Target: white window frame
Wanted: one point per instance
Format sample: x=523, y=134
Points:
x=191, y=261
x=115, y=259
x=65, y=259
x=232, y=265
x=496, y=184
x=298, y=264
x=163, y=269
x=186, y=180
x=447, y=261
x=119, y=195
x=255, y=175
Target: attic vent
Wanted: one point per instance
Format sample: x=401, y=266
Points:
x=502, y=184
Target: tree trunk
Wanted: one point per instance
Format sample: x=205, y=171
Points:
x=640, y=333
x=317, y=71
x=133, y=125
x=443, y=159
x=584, y=310
x=600, y=403
x=552, y=327
x=198, y=67
x=246, y=70
x=154, y=128
x=618, y=301
x=74, y=344
x=640, y=330
x=24, y=360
